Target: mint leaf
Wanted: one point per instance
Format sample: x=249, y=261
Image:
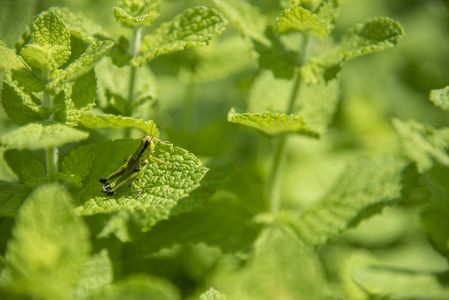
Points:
x=365, y=187
x=271, y=123
x=98, y=273
x=435, y=180
x=164, y=185
x=276, y=57
x=17, y=159
x=136, y=14
x=9, y=59
x=278, y=260
x=196, y=26
x=138, y=287
x=11, y=197
x=83, y=64
x=302, y=20
x=423, y=144
x=395, y=283
x=246, y=17
x=328, y=10
x=220, y=171
x=208, y=224
x=78, y=24
x=317, y=103
x=212, y=294
x=113, y=121
x=374, y=35
x=20, y=106
x=221, y=59
x=49, y=247
x=84, y=90
x=42, y=135
x=75, y=98
x=440, y=98
x=14, y=17
x=50, y=32
x=436, y=222
x=113, y=90
x=33, y=172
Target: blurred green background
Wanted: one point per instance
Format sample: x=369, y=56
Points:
x=394, y=83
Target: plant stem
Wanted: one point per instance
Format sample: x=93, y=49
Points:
x=274, y=179
x=134, y=47
x=51, y=153
x=188, y=109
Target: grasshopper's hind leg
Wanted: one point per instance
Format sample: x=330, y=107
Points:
x=155, y=159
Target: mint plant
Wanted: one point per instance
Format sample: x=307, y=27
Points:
x=301, y=172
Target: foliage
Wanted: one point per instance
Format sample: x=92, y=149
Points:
x=293, y=164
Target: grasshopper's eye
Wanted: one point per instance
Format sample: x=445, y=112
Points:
x=148, y=142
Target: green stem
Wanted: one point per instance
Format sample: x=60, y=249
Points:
x=134, y=47
x=51, y=153
x=188, y=110
x=273, y=184
x=51, y=160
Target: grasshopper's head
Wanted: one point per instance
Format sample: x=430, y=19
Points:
x=147, y=143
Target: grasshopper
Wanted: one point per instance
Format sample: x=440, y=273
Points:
x=135, y=166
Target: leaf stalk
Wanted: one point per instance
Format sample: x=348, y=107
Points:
x=273, y=192
x=134, y=46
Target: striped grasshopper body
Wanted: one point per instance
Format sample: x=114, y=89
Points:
x=134, y=167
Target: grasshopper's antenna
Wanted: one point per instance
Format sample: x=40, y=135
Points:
x=154, y=116
x=157, y=129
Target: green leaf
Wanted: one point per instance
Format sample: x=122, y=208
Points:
x=78, y=24
x=317, y=102
x=273, y=270
x=383, y=282
x=302, y=20
x=113, y=90
x=212, y=294
x=246, y=17
x=208, y=224
x=9, y=59
x=196, y=26
x=436, y=222
x=19, y=106
x=112, y=121
x=15, y=15
x=440, y=98
x=30, y=80
x=33, y=172
x=276, y=57
x=364, y=188
x=138, y=287
x=75, y=99
x=98, y=273
x=83, y=64
x=84, y=90
x=374, y=35
x=137, y=13
x=435, y=180
x=164, y=185
x=272, y=123
x=221, y=59
x=328, y=10
x=220, y=171
x=422, y=144
x=17, y=159
x=50, y=32
x=42, y=135
x=11, y=197
x=49, y=247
